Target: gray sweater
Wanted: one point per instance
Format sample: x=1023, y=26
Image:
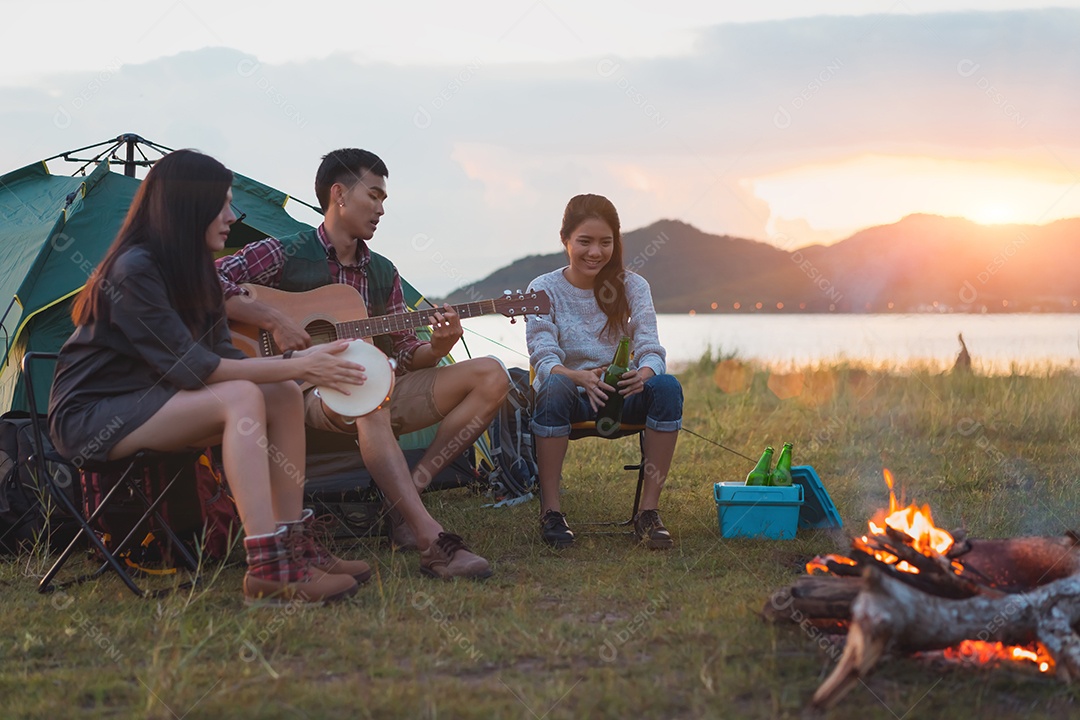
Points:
x=571, y=334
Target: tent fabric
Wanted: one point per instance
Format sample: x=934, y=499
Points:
x=73, y=247
x=264, y=209
x=31, y=202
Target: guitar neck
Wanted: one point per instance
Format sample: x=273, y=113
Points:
x=383, y=324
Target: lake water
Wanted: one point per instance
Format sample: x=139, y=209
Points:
x=1031, y=342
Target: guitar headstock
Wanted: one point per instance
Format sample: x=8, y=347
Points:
x=523, y=304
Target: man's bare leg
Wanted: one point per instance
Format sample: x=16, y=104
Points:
x=468, y=395
x=384, y=460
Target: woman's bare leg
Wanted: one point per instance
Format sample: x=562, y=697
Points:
x=286, y=447
x=235, y=412
x=659, y=449
x=550, y=453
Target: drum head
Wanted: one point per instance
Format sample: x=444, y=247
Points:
x=365, y=398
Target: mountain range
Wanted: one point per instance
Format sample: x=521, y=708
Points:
x=922, y=263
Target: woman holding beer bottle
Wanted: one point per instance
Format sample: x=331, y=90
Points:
x=596, y=301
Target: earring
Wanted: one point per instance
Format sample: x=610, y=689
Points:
x=341, y=204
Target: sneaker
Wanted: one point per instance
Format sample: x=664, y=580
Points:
x=650, y=530
x=448, y=557
x=554, y=530
x=401, y=535
x=302, y=536
x=279, y=576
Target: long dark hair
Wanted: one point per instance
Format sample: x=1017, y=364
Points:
x=609, y=288
x=169, y=216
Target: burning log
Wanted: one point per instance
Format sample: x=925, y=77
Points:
x=891, y=615
x=919, y=589
x=935, y=573
x=815, y=598
x=992, y=568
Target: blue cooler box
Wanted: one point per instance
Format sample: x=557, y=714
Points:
x=758, y=512
x=818, y=511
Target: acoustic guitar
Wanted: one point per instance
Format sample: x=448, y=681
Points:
x=337, y=311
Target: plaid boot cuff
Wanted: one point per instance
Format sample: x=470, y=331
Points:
x=269, y=557
x=303, y=538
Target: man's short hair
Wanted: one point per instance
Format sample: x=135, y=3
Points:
x=345, y=166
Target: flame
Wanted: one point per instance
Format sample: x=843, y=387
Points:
x=913, y=521
x=928, y=539
x=984, y=653
x=819, y=565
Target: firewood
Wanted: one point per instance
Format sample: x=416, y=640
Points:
x=1012, y=565
x=843, y=569
x=814, y=597
x=892, y=615
x=936, y=573
x=1019, y=564
x=861, y=652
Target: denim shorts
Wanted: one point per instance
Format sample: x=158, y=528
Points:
x=560, y=403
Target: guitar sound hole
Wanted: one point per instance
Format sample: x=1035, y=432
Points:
x=321, y=332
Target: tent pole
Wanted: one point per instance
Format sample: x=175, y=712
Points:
x=129, y=163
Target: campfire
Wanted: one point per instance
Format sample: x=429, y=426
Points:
x=910, y=586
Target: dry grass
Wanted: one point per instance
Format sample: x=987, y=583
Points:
x=603, y=629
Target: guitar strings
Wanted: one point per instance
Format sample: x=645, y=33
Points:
x=381, y=324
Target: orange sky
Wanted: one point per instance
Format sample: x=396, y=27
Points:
x=827, y=202
x=785, y=121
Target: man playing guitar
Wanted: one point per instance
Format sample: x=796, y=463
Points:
x=463, y=397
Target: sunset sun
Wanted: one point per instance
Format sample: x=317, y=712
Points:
x=994, y=213
x=881, y=189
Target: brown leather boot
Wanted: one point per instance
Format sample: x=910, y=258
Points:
x=278, y=576
x=303, y=536
x=449, y=557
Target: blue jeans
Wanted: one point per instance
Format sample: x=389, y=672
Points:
x=560, y=403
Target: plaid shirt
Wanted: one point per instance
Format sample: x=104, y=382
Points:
x=263, y=263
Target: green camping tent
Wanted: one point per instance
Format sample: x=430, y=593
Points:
x=54, y=229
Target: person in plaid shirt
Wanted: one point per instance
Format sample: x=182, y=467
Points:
x=463, y=397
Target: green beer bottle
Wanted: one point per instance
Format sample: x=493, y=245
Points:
x=608, y=418
x=781, y=475
x=760, y=474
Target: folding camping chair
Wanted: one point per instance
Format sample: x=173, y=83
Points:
x=586, y=429
x=131, y=472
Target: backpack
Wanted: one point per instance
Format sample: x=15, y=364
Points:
x=28, y=511
x=199, y=510
x=512, y=473
x=340, y=487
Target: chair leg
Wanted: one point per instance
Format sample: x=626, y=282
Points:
x=85, y=528
x=86, y=524
x=112, y=561
x=640, y=467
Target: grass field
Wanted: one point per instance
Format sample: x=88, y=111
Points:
x=603, y=629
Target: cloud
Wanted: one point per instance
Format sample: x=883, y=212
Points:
x=483, y=156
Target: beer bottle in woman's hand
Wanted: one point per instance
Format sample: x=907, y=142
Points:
x=609, y=417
